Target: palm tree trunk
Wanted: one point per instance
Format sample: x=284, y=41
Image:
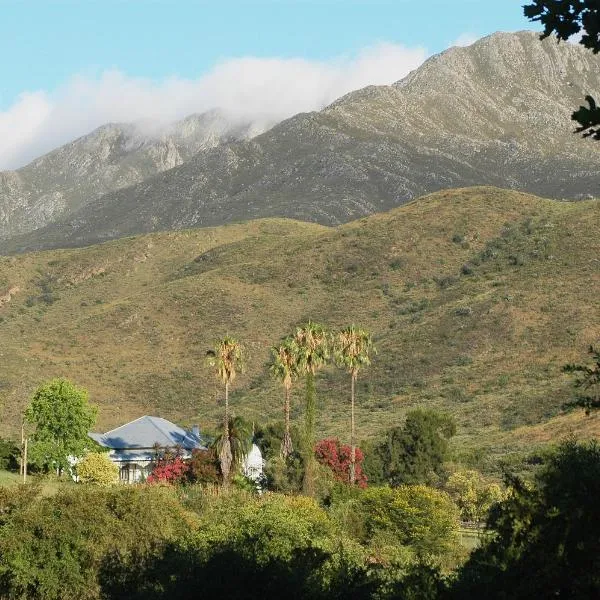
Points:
x=308, y=484
x=225, y=456
x=286, y=446
x=352, y=441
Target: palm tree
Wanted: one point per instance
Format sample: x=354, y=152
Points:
x=226, y=359
x=239, y=437
x=285, y=368
x=313, y=352
x=351, y=349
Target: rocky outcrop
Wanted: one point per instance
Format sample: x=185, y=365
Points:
x=7, y=296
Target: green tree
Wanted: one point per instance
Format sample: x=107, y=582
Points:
x=285, y=368
x=566, y=18
x=546, y=535
x=313, y=352
x=420, y=518
x=353, y=347
x=97, y=468
x=473, y=495
x=588, y=380
x=227, y=360
x=62, y=417
x=411, y=454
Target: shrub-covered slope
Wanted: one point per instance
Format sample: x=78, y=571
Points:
x=476, y=298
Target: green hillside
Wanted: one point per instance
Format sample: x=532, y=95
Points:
x=476, y=298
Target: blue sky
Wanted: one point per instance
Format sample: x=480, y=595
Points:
x=51, y=48
x=49, y=41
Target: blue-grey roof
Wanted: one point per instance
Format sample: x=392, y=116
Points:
x=147, y=432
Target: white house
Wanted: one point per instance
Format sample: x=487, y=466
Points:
x=133, y=447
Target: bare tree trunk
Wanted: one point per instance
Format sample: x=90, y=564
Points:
x=22, y=448
x=286, y=446
x=352, y=441
x=225, y=456
x=25, y=461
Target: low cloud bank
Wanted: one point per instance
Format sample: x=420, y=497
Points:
x=250, y=89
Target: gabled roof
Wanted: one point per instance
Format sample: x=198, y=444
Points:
x=147, y=432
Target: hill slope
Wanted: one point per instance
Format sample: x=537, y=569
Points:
x=110, y=158
x=495, y=113
x=476, y=298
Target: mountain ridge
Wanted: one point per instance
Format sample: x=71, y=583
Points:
x=112, y=156
x=494, y=113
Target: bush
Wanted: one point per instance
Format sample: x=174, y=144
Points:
x=97, y=468
x=337, y=458
x=51, y=548
x=546, y=536
x=416, y=516
x=473, y=494
x=268, y=547
x=10, y=455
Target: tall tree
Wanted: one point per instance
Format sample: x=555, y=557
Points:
x=588, y=380
x=62, y=417
x=566, y=18
x=411, y=454
x=285, y=368
x=227, y=360
x=313, y=352
x=352, y=349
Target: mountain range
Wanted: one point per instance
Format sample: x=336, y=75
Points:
x=494, y=113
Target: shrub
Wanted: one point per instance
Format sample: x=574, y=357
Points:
x=97, y=468
x=473, y=494
x=10, y=454
x=204, y=467
x=269, y=547
x=51, y=548
x=337, y=457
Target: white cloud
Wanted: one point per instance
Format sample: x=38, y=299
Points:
x=465, y=39
x=249, y=88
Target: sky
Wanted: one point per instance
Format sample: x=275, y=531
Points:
x=70, y=66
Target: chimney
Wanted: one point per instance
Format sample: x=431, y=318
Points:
x=196, y=431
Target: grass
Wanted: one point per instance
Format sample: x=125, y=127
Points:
x=131, y=320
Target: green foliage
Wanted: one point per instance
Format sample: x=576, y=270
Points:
x=422, y=520
x=546, y=535
x=246, y=548
x=10, y=454
x=473, y=495
x=97, y=468
x=239, y=438
x=413, y=453
x=312, y=341
x=51, y=548
x=282, y=473
x=63, y=417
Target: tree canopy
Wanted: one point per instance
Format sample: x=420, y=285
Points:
x=62, y=417
x=413, y=453
x=546, y=541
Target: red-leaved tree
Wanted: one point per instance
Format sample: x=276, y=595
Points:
x=169, y=469
x=338, y=458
